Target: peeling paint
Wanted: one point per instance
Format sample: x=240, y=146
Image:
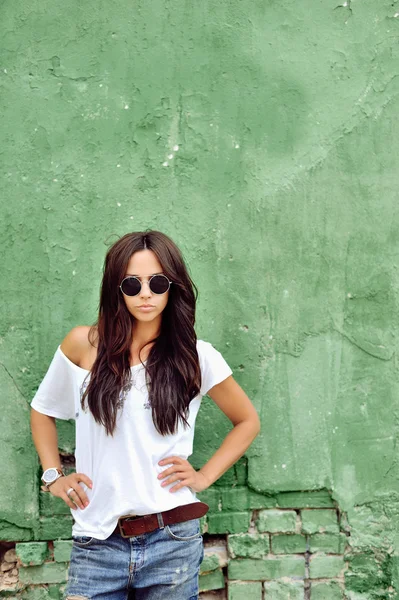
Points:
x=282, y=128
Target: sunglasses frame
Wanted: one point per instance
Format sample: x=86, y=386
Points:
x=149, y=284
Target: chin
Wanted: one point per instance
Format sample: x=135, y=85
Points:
x=146, y=318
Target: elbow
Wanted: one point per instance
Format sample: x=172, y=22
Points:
x=253, y=425
x=256, y=426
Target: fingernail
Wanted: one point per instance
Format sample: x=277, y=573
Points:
x=86, y=504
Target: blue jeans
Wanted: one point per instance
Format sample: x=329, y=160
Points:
x=161, y=565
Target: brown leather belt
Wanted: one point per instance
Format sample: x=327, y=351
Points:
x=130, y=525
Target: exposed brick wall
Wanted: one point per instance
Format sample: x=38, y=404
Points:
x=253, y=546
x=292, y=546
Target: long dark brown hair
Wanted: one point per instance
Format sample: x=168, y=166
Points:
x=172, y=367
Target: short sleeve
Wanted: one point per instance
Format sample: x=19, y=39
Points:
x=214, y=368
x=55, y=396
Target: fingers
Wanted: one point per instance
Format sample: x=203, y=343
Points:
x=170, y=471
x=182, y=472
x=68, y=501
x=84, y=478
x=173, y=478
x=170, y=459
x=183, y=480
x=76, y=494
x=71, y=492
x=178, y=486
x=178, y=464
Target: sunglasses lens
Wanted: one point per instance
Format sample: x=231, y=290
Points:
x=131, y=286
x=159, y=284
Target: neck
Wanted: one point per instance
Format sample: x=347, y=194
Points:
x=145, y=332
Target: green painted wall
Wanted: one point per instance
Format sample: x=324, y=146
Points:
x=263, y=137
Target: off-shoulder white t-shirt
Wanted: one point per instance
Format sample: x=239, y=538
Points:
x=123, y=467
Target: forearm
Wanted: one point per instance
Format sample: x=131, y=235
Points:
x=44, y=435
x=232, y=448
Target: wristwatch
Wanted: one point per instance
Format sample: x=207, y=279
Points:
x=51, y=475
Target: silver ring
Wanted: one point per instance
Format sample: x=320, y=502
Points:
x=69, y=491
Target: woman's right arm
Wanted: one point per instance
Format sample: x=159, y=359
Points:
x=44, y=434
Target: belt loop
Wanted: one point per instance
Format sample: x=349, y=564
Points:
x=160, y=521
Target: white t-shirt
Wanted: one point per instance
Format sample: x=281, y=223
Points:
x=123, y=467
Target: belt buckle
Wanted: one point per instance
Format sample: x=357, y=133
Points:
x=126, y=518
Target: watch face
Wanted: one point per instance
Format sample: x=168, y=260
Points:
x=50, y=475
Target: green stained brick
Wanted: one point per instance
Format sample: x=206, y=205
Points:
x=36, y=593
x=46, y=573
x=32, y=553
x=364, y=563
x=241, y=471
x=235, y=499
x=279, y=590
x=270, y=568
x=210, y=563
x=326, y=591
x=62, y=550
x=212, y=581
x=211, y=497
x=319, y=521
x=368, y=526
x=329, y=543
x=320, y=499
x=248, y=545
x=56, y=591
x=51, y=505
x=41, y=592
x=366, y=572
x=288, y=544
x=227, y=480
x=358, y=583
x=13, y=532
x=244, y=590
x=54, y=528
x=345, y=526
x=276, y=521
x=242, y=498
x=322, y=566
x=395, y=571
x=229, y=522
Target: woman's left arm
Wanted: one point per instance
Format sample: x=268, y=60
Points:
x=236, y=405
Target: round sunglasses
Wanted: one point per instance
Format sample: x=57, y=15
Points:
x=158, y=284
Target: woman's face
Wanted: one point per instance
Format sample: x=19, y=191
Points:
x=146, y=306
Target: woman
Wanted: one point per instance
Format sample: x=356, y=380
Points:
x=133, y=383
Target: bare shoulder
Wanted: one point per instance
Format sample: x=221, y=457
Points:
x=76, y=344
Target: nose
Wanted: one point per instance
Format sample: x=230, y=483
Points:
x=145, y=290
